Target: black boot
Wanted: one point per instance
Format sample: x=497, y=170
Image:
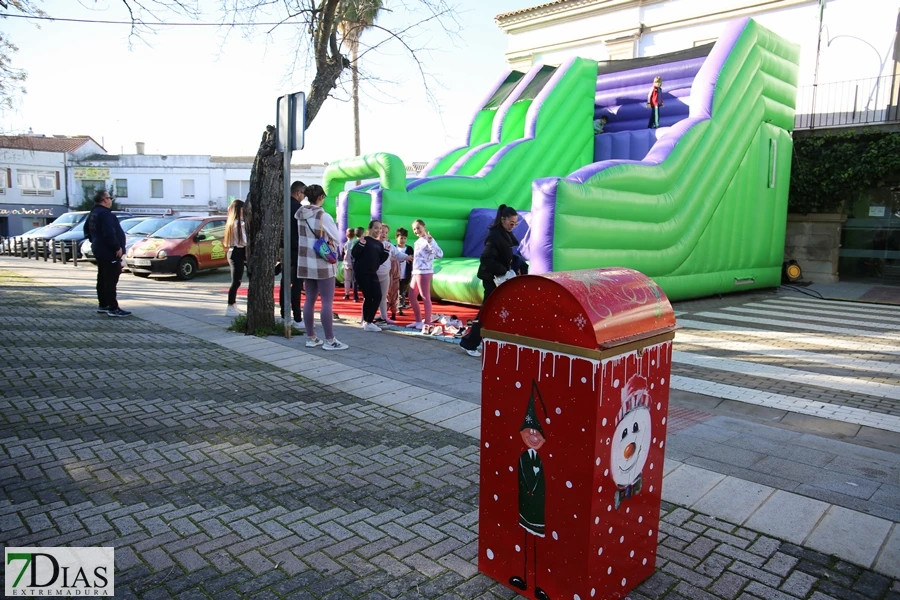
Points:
x=518, y=582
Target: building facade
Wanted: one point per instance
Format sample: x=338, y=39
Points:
x=33, y=174
x=181, y=185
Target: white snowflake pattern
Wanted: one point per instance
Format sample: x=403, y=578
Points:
x=504, y=314
x=580, y=321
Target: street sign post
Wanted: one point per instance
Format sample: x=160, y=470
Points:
x=289, y=133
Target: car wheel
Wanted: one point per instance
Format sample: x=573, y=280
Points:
x=187, y=268
x=144, y=275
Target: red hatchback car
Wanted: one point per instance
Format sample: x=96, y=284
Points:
x=183, y=247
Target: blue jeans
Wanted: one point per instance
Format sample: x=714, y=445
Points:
x=654, y=117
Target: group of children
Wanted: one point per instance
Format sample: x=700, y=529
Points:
x=390, y=276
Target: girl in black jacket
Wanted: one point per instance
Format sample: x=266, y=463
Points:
x=497, y=256
x=368, y=254
x=496, y=260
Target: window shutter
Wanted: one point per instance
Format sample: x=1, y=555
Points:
x=57, y=180
x=9, y=181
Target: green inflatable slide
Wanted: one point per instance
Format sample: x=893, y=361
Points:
x=699, y=204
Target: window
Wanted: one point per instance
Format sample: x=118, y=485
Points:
x=121, y=188
x=89, y=187
x=36, y=183
x=213, y=230
x=236, y=190
x=156, y=188
x=187, y=188
x=4, y=181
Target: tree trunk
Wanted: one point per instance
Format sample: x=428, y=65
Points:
x=264, y=225
x=354, y=47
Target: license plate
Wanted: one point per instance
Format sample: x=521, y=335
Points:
x=142, y=262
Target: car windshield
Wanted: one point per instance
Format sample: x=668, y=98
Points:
x=129, y=224
x=69, y=218
x=177, y=230
x=149, y=226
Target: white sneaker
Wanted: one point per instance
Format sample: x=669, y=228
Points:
x=475, y=353
x=232, y=311
x=416, y=325
x=335, y=344
x=371, y=327
x=312, y=342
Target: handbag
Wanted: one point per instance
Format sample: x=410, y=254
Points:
x=322, y=247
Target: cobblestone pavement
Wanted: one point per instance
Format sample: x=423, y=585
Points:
x=217, y=476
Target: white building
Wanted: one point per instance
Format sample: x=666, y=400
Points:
x=857, y=58
x=34, y=170
x=42, y=177
x=181, y=185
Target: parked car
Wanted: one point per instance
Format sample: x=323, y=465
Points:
x=61, y=225
x=78, y=235
x=183, y=247
x=140, y=231
x=21, y=240
x=87, y=253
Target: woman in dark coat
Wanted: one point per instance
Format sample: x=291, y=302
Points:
x=497, y=256
x=496, y=261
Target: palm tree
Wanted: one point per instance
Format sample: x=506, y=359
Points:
x=356, y=17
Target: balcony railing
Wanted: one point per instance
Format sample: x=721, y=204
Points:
x=848, y=103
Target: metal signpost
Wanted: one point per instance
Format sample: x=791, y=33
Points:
x=289, y=130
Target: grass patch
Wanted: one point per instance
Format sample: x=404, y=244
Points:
x=239, y=325
x=13, y=278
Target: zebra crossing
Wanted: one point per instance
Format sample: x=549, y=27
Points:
x=831, y=359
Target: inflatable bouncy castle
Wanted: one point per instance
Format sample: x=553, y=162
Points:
x=698, y=204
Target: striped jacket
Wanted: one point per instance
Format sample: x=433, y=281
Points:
x=313, y=221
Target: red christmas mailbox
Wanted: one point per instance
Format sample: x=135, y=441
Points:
x=575, y=394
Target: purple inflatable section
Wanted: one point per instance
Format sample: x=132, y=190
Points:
x=544, y=190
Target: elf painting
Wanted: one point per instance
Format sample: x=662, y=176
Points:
x=532, y=490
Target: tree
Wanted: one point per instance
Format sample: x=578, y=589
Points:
x=12, y=79
x=357, y=16
x=264, y=225
x=326, y=20
x=88, y=202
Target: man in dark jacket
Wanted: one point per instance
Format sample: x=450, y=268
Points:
x=108, y=242
x=298, y=189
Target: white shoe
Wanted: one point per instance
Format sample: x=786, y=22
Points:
x=416, y=325
x=232, y=311
x=371, y=327
x=335, y=345
x=312, y=342
x=475, y=353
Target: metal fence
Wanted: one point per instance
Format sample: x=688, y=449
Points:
x=39, y=249
x=847, y=103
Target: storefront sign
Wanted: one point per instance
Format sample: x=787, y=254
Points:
x=91, y=173
x=149, y=211
x=32, y=212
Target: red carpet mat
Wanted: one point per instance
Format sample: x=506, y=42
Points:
x=351, y=311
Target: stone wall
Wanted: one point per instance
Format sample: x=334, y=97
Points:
x=814, y=241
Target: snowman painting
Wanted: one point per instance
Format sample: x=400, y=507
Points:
x=631, y=440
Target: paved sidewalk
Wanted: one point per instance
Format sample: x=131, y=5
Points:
x=217, y=475
x=883, y=550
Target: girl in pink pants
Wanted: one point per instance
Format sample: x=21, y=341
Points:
x=425, y=251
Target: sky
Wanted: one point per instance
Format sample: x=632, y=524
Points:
x=209, y=90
